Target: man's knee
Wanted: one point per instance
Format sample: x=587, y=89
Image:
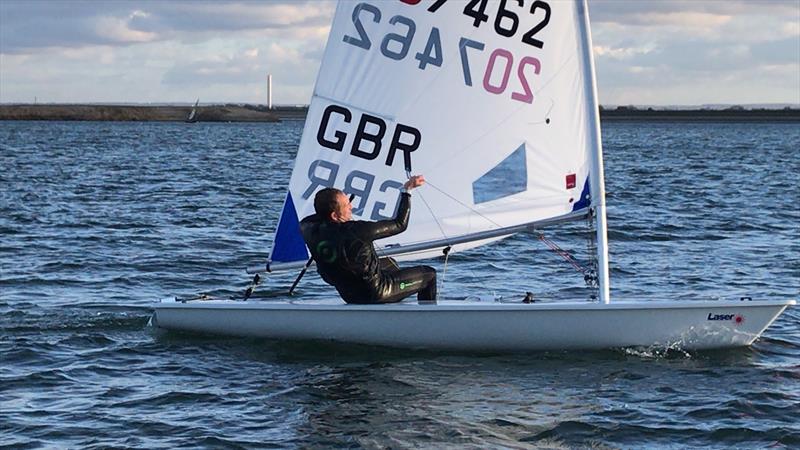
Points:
x=429, y=272
x=388, y=264
x=428, y=290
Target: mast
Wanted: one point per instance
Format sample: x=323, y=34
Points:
x=598, y=188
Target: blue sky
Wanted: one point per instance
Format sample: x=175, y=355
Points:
x=647, y=51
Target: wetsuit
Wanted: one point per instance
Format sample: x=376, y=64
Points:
x=346, y=259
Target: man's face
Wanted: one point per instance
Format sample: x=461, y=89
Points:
x=344, y=209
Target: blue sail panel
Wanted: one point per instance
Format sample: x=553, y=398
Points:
x=289, y=245
x=586, y=199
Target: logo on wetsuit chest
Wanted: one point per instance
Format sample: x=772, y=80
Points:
x=326, y=251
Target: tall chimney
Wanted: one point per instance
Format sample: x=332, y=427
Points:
x=269, y=91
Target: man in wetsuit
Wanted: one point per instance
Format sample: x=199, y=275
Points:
x=345, y=256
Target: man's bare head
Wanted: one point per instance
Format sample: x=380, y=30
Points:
x=332, y=204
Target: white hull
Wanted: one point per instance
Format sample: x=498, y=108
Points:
x=463, y=325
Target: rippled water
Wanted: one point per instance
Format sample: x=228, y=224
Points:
x=97, y=220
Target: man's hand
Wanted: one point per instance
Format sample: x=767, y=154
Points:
x=414, y=182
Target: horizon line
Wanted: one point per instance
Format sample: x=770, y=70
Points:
x=776, y=105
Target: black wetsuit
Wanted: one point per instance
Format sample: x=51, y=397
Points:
x=346, y=259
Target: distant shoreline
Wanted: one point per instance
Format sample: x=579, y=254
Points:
x=260, y=113
x=701, y=115
x=137, y=113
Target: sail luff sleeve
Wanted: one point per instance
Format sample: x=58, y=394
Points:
x=597, y=176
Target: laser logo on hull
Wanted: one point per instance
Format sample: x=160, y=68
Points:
x=738, y=319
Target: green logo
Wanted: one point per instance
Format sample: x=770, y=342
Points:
x=404, y=285
x=326, y=251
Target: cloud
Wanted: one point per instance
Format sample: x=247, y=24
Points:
x=697, y=72
x=690, y=20
x=659, y=52
x=250, y=66
x=694, y=52
x=621, y=53
x=116, y=30
x=160, y=51
x=631, y=12
x=27, y=25
x=243, y=67
x=217, y=16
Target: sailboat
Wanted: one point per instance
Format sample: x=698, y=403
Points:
x=496, y=104
x=192, y=117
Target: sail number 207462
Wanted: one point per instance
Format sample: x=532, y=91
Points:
x=497, y=74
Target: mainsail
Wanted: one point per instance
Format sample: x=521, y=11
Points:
x=192, y=117
x=493, y=101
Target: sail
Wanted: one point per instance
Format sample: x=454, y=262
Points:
x=491, y=100
x=193, y=113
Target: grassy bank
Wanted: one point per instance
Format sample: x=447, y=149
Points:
x=126, y=113
x=701, y=115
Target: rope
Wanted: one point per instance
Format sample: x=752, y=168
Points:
x=447, y=249
x=589, y=273
x=464, y=205
x=564, y=254
x=430, y=210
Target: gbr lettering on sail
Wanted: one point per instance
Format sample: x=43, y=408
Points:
x=394, y=86
x=367, y=141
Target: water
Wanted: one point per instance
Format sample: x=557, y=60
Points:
x=97, y=220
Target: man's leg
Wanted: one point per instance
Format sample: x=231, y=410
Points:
x=388, y=265
x=429, y=292
x=420, y=280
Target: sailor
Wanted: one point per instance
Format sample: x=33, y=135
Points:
x=345, y=256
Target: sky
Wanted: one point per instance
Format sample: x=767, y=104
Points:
x=647, y=52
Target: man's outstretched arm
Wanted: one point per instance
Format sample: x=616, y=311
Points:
x=385, y=228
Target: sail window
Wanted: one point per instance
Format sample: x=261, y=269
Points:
x=507, y=178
